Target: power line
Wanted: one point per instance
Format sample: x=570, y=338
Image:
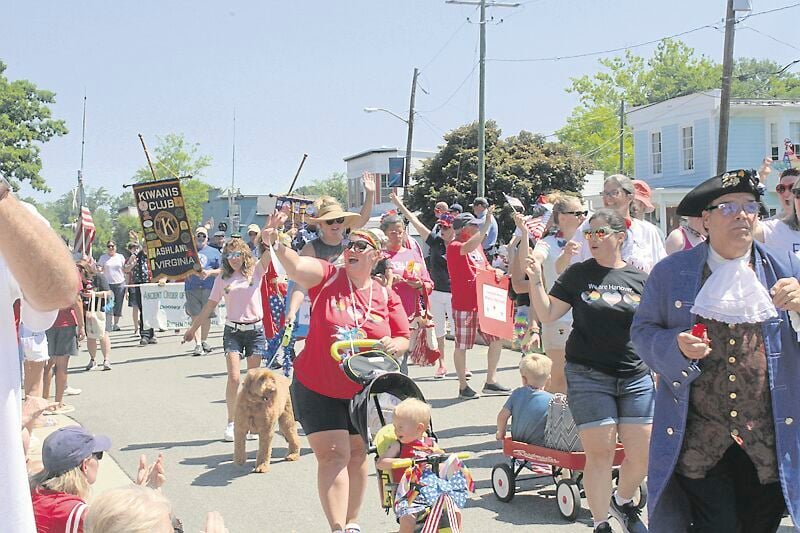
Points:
x=449, y=40
x=768, y=11
x=768, y=36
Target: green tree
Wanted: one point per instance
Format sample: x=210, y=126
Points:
x=172, y=157
x=673, y=70
x=524, y=165
x=25, y=122
x=335, y=186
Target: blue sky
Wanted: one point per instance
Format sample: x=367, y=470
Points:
x=299, y=73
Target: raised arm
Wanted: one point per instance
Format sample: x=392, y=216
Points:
x=423, y=231
x=306, y=271
x=368, y=181
x=476, y=240
x=548, y=308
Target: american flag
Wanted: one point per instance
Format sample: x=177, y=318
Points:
x=537, y=225
x=84, y=233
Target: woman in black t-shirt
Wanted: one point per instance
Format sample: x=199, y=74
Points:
x=610, y=389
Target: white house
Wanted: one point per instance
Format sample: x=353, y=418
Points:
x=376, y=160
x=675, y=143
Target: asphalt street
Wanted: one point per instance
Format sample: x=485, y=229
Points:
x=160, y=399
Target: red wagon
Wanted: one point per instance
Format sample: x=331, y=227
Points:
x=566, y=469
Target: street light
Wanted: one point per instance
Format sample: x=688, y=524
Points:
x=376, y=109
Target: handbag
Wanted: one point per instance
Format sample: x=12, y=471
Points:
x=95, y=320
x=560, y=431
x=423, y=349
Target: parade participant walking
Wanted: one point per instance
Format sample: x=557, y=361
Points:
x=218, y=240
x=718, y=325
x=642, y=203
x=440, y=298
x=198, y=288
x=133, y=296
x=253, y=235
x=686, y=236
x=784, y=188
x=480, y=205
x=609, y=387
x=644, y=245
x=243, y=338
x=557, y=247
x=410, y=275
x=140, y=273
x=95, y=292
x=347, y=303
x=783, y=234
x=37, y=273
x=465, y=258
x=112, y=266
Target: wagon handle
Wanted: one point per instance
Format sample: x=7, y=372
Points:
x=340, y=346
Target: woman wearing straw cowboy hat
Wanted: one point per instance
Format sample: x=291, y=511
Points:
x=332, y=221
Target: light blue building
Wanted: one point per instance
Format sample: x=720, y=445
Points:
x=675, y=144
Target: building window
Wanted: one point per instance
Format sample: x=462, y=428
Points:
x=687, y=147
x=383, y=194
x=775, y=147
x=655, y=152
x=794, y=135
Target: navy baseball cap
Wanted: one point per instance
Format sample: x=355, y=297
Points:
x=66, y=448
x=457, y=208
x=465, y=219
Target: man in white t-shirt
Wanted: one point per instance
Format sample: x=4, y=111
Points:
x=644, y=246
x=35, y=268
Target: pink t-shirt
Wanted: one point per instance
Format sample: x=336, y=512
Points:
x=408, y=263
x=242, y=295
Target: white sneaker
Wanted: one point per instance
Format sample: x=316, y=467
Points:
x=228, y=436
x=69, y=391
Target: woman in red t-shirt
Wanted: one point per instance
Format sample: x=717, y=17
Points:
x=346, y=303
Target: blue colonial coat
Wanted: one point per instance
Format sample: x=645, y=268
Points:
x=663, y=313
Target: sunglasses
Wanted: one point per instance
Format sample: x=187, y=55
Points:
x=201, y=236
x=781, y=188
x=233, y=255
x=599, y=233
x=98, y=455
x=333, y=221
x=576, y=213
x=111, y=246
x=729, y=209
x=358, y=246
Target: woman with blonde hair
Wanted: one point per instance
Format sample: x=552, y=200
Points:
x=243, y=337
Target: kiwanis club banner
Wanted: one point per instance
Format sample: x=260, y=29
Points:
x=171, y=250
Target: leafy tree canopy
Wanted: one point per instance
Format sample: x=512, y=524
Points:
x=335, y=186
x=673, y=70
x=25, y=122
x=524, y=165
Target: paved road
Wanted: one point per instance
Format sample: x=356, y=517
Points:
x=160, y=399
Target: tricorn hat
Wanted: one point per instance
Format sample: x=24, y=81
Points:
x=696, y=200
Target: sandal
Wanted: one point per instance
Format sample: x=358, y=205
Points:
x=441, y=372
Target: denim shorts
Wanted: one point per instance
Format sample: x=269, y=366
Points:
x=246, y=343
x=598, y=399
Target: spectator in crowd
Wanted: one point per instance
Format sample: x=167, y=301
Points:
x=37, y=272
x=456, y=209
x=610, y=389
x=218, y=240
x=133, y=292
x=557, y=248
x=33, y=348
x=717, y=324
x=198, y=288
x=465, y=258
x=347, y=302
x=253, y=235
x=489, y=244
x=643, y=246
x=243, y=336
x=642, y=203
x=686, y=236
x=62, y=343
x=527, y=406
x=140, y=273
x=783, y=234
x=112, y=266
x=439, y=209
x=784, y=189
x=441, y=306
x=95, y=293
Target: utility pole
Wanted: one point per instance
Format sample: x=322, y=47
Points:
x=725, y=97
x=622, y=136
x=407, y=169
x=482, y=87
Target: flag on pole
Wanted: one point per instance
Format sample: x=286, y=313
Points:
x=84, y=233
x=515, y=203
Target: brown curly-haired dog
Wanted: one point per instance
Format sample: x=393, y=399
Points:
x=264, y=400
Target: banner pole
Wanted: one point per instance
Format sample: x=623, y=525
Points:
x=147, y=155
x=291, y=188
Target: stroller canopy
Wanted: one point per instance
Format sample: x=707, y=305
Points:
x=369, y=399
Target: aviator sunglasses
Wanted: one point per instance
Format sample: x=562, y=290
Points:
x=600, y=233
x=358, y=246
x=233, y=255
x=333, y=221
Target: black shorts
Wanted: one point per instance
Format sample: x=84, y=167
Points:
x=62, y=341
x=134, y=297
x=317, y=412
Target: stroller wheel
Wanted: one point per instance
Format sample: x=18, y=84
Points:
x=569, y=499
x=503, y=482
